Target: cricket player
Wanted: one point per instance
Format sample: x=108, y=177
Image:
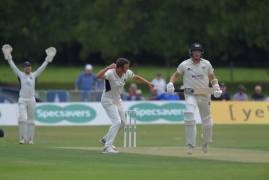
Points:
x=26, y=100
x=196, y=73
x=115, y=76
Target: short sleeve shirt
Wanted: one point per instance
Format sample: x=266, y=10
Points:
x=195, y=75
x=114, y=84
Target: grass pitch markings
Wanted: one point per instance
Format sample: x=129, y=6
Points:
x=221, y=154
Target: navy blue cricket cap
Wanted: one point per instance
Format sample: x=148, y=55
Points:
x=26, y=64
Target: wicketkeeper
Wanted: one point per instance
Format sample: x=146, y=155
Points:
x=27, y=100
x=196, y=73
x=115, y=76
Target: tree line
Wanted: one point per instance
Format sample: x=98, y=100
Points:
x=148, y=32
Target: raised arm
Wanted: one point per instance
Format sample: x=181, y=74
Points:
x=51, y=52
x=14, y=67
x=7, y=49
x=101, y=73
x=41, y=69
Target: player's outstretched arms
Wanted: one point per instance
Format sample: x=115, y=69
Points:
x=7, y=49
x=140, y=78
x=51, y=52
x=101, y=73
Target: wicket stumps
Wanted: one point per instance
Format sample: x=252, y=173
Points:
x=130, y=129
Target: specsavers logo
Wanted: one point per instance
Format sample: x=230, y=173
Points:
x=148, y=112
x=75, y=113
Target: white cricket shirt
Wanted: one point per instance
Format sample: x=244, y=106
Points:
x=27, y=81
x=195, y=75
x=114, y=84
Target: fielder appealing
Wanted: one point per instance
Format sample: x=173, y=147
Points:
x=196, y=73
x=26, y=100
x=115, y=76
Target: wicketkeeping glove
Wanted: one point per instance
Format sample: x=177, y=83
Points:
x=7, y=49
x=51, y=52
x=170, y=88
x=217, y=91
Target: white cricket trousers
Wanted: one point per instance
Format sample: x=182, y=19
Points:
x=203, y=104
x=116, y=113
x=26, y=118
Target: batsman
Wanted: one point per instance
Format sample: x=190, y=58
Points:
x=27, y=100
x=196, y=73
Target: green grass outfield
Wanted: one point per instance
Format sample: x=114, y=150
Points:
x=68, y=74
x=238, y=152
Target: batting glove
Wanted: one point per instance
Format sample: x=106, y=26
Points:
x=217, y=91
x=170, y=88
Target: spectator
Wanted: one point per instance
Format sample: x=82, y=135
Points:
x=258, y=96
x=225, y=96
x=139, y=94
x=85, y=82
x=99, y=87
x=134, y=93
x=159, y=83
x=124, y=95
x=153, y=94
x=240, y=95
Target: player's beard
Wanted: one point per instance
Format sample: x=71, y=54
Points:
x=196, y=58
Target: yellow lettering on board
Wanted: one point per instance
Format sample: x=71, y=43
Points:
x=234, y=112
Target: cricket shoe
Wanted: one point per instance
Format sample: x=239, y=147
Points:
x=190, y=149
x=205, y=148
x=31, y=142
x=103, y=142
x=109, y=150
x=22, y=141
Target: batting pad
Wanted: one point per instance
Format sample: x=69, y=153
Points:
x=190, y=128
x=207, y=130
x=23, y=130
x=30, y=131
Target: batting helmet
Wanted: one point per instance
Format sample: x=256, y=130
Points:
x=2, y=134
x=196, y=47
